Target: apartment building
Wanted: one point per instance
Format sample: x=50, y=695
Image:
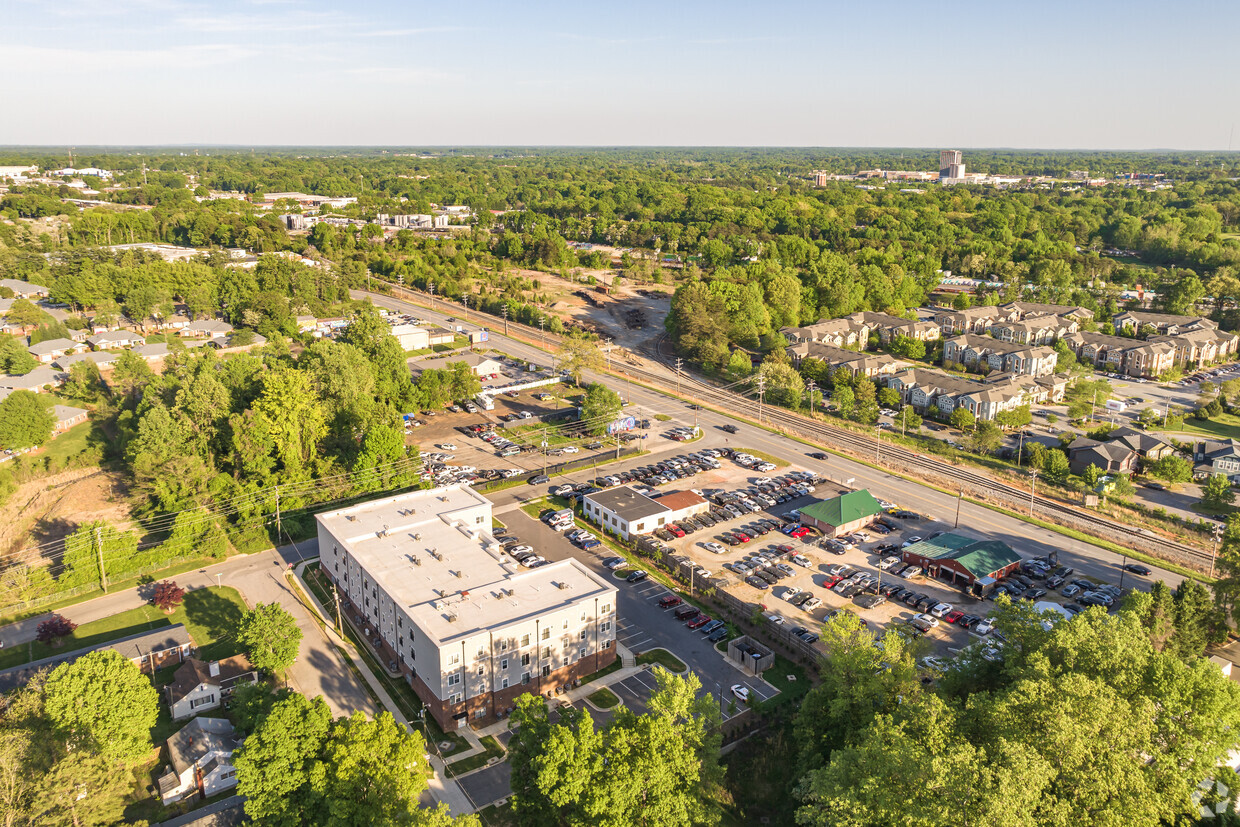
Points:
x=1164, y=324
x=844, y=332
x=1012, y=357
x=1029, y=310
x=467, y=626
x=889, y=327
x=1117, y=354
x=836, y=358
x=1201, y=346
x=953, y=322
x=986, y=398
x=1035, y=330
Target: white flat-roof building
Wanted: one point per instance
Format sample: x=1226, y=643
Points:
x=624, y=512
x=468, y=626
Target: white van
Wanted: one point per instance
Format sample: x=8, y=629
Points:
x=561, y=520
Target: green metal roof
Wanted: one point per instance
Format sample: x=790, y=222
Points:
x=979, y=557
x=845, y=508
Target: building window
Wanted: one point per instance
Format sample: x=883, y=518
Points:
x=197, y=702
x=546, y=632
x=481, y=671
x=503, y=645
x=481, y=712
x=478, y=520
x=453, y=680
x=546, y=670
x=412, y=654
x=546, y=653
x=503, y=684
x=525, y=659
x=525, y=640
x=482, y=653
x=581, y=653
x=525, y=677
x=454, y=659
x=566, y=623
x=606, y=627
x=583, y=615
x=581, y=635
x=503, y=664
x=606, y=644
x=606, y=608
x=455, y=698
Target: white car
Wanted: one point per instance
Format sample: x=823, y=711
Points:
x=515, y=550
x=530, y=562
x=775, y=620
x=941, y=609
x=931, y=662
x=888, y=562
x=741, y=692
x=983, y=627
x=715, y=548
x=571, y=449
x=563, y=491
x=801, y=560
x=927, y=620
x=765, y=466
x=792, y=592
x=446, y=446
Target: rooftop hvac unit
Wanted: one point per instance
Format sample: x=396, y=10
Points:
x=508, y=592
x=561, y=585
x=452, y=617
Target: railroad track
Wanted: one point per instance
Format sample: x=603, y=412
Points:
x=815, y=430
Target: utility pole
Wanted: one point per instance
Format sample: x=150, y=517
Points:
x=679, y=361
x=544, y=447
x=1033, y=475
x=432, y=289
x=959, y=498
x=542, y=334
x=279, y=527
x=1021, y=449
x=1218, y=533
x=336, y=594
x=811, y=397
x=761, y=394
x=505, y=319
x=878, y=444
x=103, y=575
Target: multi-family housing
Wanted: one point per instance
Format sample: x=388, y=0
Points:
x=1035, y=330
x=973, y=350
x=931, y=389
x=1217, y=456
x=1165, y=324
x=854, y=330
x=1196, y=339
x=838, y=358
x=468, y=627
x=1118, y=354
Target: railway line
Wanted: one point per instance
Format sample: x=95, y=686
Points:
x=731, y=403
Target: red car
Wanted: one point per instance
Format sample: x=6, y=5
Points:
x=669, y=601
x=784, y=549
x=831, y=582
x=800, y=532
x=953, y=616
x=699, y=621
x=742, y=536
x=675, y=529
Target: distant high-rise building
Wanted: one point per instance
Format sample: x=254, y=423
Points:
x=951, y=165
x=820, y=179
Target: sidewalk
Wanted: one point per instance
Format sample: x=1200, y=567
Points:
x=443, y=788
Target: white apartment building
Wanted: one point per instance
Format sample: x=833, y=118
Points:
x=469, y=627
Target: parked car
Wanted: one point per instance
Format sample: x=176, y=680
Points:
x=668, y=601
x=638, y=576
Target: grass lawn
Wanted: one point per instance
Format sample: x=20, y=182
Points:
x=606, y=670
x=788, y=678
x=662, y=657
x=776, y=461
x=210, y=615
x=1223, y=426
x=68, y=445
x=1224, y=512
x=478, y=760
x=604, y=698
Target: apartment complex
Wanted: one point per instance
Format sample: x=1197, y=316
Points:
x=467, y=626
x=1118, y=354
x=854, y=330
x=932, y=389
x=838, y=358
x=974, y=351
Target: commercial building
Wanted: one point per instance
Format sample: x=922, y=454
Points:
x=624, y=512
x=843, y=514
x=681, y=504
x=479, y=364
x=951, y=166
x=972, y=564
x=467, y=626
x=411, y=337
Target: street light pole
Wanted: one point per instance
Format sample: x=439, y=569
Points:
x=1021, y=449
x=878, y=436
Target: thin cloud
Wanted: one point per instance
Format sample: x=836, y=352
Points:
x=412, y=32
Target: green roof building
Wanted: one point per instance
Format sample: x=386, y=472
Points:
x=843, y=514
x=964, y=561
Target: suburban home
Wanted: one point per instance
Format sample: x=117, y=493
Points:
x=67, y=417
x=972, y=564
x=35, y=381
x=177, y=321
x=1110, y=457
x=843, y=514
x=1147, y=446
x=115, y=338
x=973, y=350
x=838, y=358
x=206, y=329
x=1217, y=456
x=479, y=364
x=1035, y=330
x=24, y=289
x=151, y=352
x=51, y=350
x=148, y=650
x=200, y=760
x=101, y=359
x=199, y=685
x=624, y=512
x=1164, y=324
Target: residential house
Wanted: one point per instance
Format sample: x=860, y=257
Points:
x=845, y=332
x=200, y=760
x=837, y=358
x=1109, y=457
x=67, y=417
x=1147, y=446
x=116, y=338
x=970, y=320
x=35, y=381
x=101, y=359
x=975, y=351
x=975, y=565
x=926, y=389
x=151, y=352
x=841, y=515
x=149, y=651
x=1164, y=324
x=198, y=686
x=206, y=329
x=24, y=289
x=52, y=349
x=1217, y=456
x=479, y=364
x=1036, y=330
x=892, y=327
x=932, y=389
x=1117, y=354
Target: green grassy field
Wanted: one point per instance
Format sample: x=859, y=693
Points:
x=604, y=698
x=1223, y=426
x=210, y=616
x=664, y=658
x=68, y=445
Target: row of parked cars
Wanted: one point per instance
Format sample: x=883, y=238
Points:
x=519, y=551
x=694, y=618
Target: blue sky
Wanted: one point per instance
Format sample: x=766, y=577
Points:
x=1087, y=74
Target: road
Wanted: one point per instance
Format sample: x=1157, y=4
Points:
x=1028, y=539
x=319, y=668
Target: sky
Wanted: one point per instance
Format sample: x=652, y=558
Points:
x=1089, y=74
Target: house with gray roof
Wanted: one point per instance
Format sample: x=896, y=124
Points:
x=102, y=359
x=52, y=349
x=206, y=329
x=116, y=338
x=67, y=417
x=200, y=760
x=24, y=289
x=1217, y=456
x=973, y=350
x=148, y=651
x=1109, y=457
x=838, y=358
x=35, y=381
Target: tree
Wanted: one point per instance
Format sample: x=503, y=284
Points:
x=577, y=356
x=985, y=438
x=54, y=630
x=867, y=402
x=1171, y=468
x=1065, y=358
x=845, y=400
x=26, y=420
x=1216, y=492
x=79, y=789
x=271, y=637
x=907, y=419
x=168, y=596
x=962, y=418
x=290, y=413
x=275, y=762
x=84, y=382
x=1017, y=417
x=382, y=463
x=739, y=364
x=102, y=703
x=1057, y=466
x=600, y=407
x=24, y=313
x=14, y=358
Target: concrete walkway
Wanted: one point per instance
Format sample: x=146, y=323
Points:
x=442, y=787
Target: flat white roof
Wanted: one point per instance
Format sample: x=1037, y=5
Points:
x=450, y=575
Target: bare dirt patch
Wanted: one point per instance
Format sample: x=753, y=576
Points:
x=49, y=508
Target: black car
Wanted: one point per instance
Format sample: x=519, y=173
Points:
x=817, y=455
x=731, y=429
x=1034, y=594
x=540, y=479
x=1137, y=568
x=757, y=582
x=638, y=576
x=719, y=634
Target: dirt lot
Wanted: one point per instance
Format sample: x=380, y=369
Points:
x=49, y=508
